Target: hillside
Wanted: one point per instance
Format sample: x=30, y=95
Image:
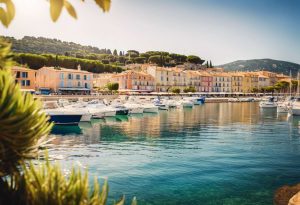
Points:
x=262, y=64
x=41, y=45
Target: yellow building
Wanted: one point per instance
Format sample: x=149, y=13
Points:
x=221, y=82
x=237, y=81
x=250, y=82
x=25, y=77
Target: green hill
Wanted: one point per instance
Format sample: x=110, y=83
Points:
x=263, y=64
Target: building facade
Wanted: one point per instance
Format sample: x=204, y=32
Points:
x=64, y=81
x=25, y=77
x=133, y=80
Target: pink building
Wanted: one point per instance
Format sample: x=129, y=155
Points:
x=64, y=81
x=206, y=82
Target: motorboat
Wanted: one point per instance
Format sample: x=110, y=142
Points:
x=120, y=109
x=186, y=103
x=285, y=106
x=196, y=100
x=100, y=110
x=158, y=103
x=61, y=116
x=134, y=108
x=149, y=108
x=268, y=103
x=295, y=108
x=78, y=107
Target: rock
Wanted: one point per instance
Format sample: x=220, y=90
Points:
x=283, y=195
x=295, y=200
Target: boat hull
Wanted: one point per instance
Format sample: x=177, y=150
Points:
x=122, y=112
x=151, y=110
x=65, y=119
x=137, y=110
x=86, y=118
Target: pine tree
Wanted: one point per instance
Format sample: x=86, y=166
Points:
x=210, y=64
x=207, y=66
x=115, y=52
x=108, y=51
x=120, y=53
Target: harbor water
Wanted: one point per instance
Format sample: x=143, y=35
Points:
x=212, y=154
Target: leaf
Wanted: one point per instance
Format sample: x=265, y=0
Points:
x=10, y=10
x=56, y=7
x=103, y=4
x=70, y=9
x=3, y=17
x=121, y=202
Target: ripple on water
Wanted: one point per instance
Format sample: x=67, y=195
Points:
x=214, y=154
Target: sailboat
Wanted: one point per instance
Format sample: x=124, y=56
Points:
x=284, y=107
x=295, y=109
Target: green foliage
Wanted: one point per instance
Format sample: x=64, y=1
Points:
x=140, y=60
x=22, y=124
x=175, y=90
x=255, y=90
x=189, y=89
x=7, y=15
x=194, y=59
x=157, y=59
x=36, y=61
x=47, y=184
x=113, y=86
x=270, y=89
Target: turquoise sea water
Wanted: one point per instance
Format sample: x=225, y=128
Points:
x=217, y=153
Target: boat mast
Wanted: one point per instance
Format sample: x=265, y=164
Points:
x=290, y=84
x=298, y=88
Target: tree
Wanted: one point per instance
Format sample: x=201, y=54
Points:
x=210, y=64
x=108, y=51
x=270, y=89
x=175, y=90
x=120, y=53
x=113, y=86
x=115, y=53
x=194, y=59
x=254, y=90
x=155, y=59
x=189, y=89
x=140, y=60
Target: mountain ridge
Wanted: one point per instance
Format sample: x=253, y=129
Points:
x=268, y=64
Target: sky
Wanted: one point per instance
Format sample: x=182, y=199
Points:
x=218, y=30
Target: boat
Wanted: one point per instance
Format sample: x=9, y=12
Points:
x=61, y=116
x=149, y=108
x=285, y=106
x=196, y=100
x=120, y=109
x=295, y=107
x=78, y=107
x=100, y=110
x=158, y=103
x=186, y=103
x=268, y=103
x=134, y=108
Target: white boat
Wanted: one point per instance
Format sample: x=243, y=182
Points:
x=149, y=108
x=283, y=107
x=295, y=108
x=78, y=107
x=134, y=108
x=196, y=100
x=99, y=109
x=61, y=116
x=269, y=103
x=159, y=103
x=186, y=103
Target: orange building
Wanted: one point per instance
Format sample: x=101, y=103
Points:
x=133, y=80
x=25, y=77
x=64, y=81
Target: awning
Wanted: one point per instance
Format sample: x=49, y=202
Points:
x=75, y=89
x=27, y=90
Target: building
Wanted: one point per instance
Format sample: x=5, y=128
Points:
x=102, y=79
x=237, y=82
x=64, y=81
x=263, y=81
x=25, y=77
x=250, y=81
x=221, y=82
x=206, y=82
x=134, y=81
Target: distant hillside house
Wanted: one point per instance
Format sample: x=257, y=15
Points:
x=25, y=77
x=64, y=81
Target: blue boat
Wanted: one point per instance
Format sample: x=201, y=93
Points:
x=65, y=119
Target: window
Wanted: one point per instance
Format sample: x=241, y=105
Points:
x=70, y=76
x=85, y=85
x=28, y=82
x=88, y=77
x=61, y=84
x=24, y=75
x=16, y=81
x=61, y=76
x=23, y=83
x=77, y=77
x=84, y=77
x=78, y=84
x=18, y=74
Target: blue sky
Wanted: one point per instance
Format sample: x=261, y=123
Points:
x=217, y=30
